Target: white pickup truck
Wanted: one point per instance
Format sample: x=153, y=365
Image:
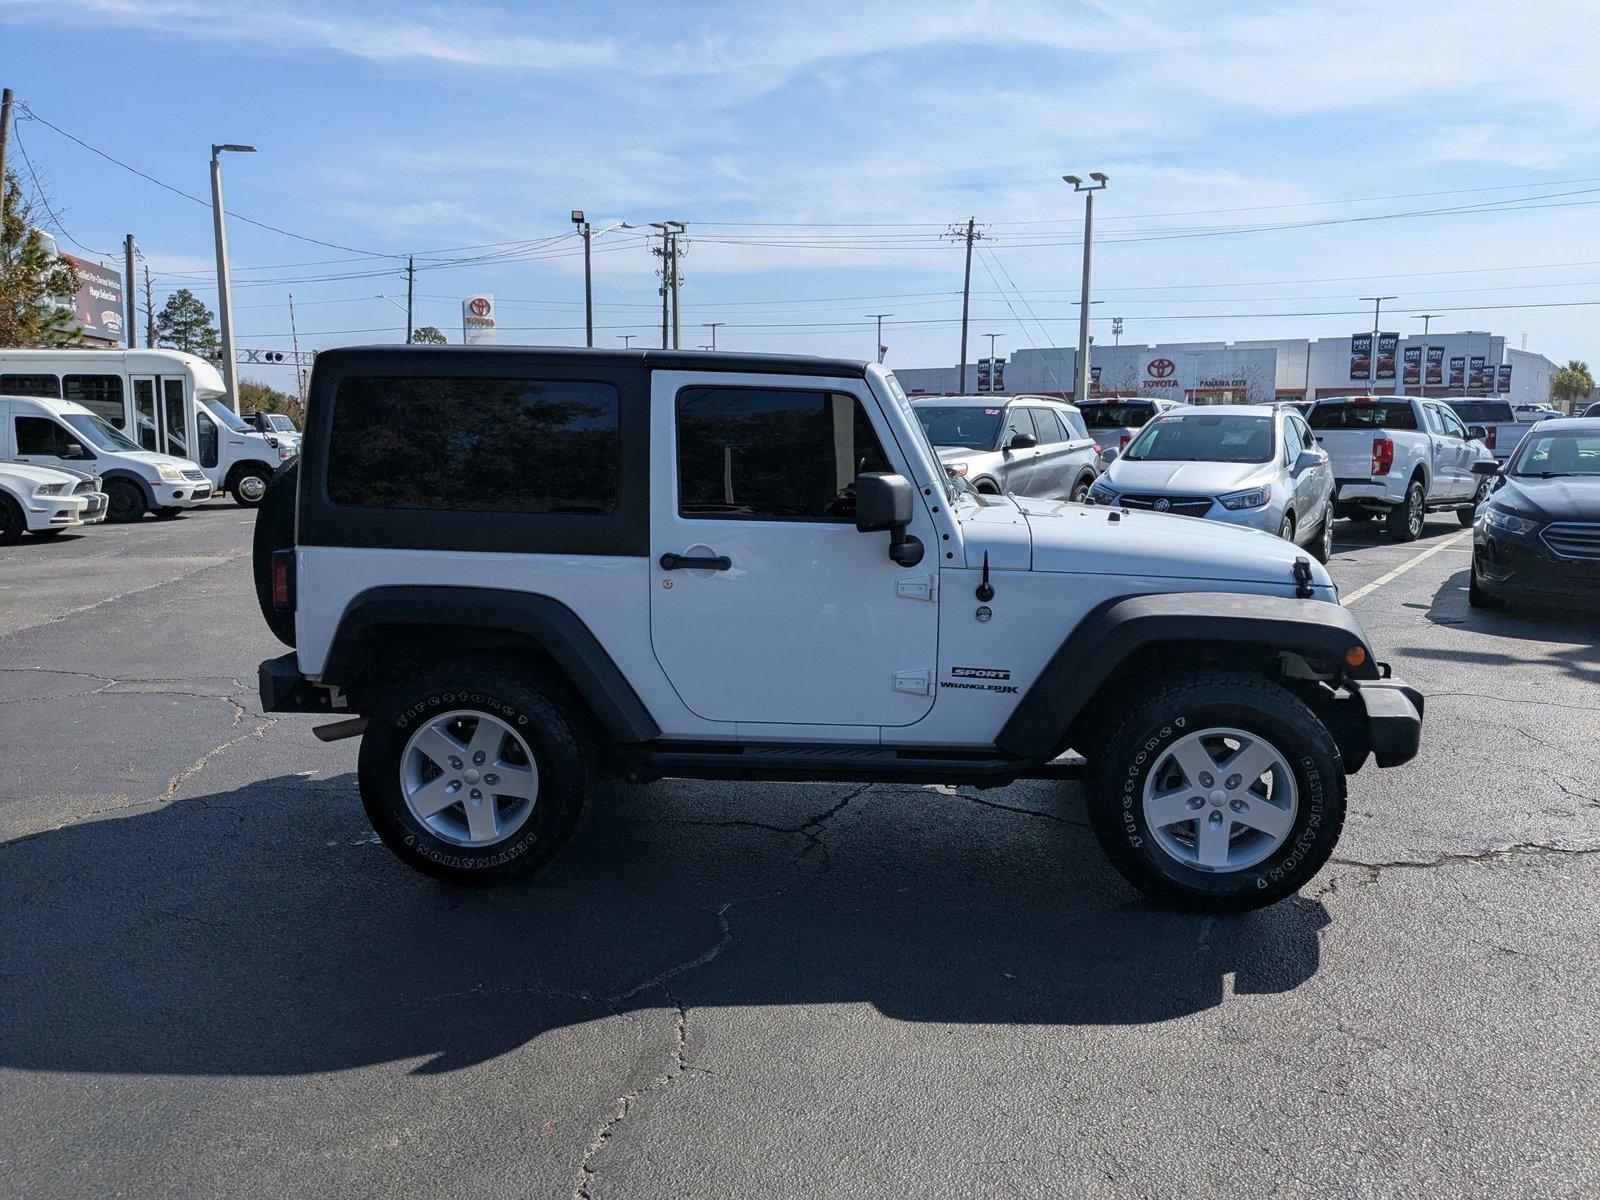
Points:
x=1400, y=458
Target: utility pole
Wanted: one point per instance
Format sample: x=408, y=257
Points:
x=1422, y=366
x=712, y=325
x=666, y=241
x=969, y=234
x=1377, y=307
x=128, y=292
x=294, y=342
x=411, y=299
x=882, y=349
x=677, y=282
x=224, y=294
x=582, y=223
x=1081, y=386
x=149, y=312
x=5, y=136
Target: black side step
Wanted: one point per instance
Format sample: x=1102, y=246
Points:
x=835, y=764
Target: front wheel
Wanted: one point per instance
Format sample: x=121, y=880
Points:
x=1470, y=513
x=1476, y=596
x=12, y=523
x=1080, y=491
x=248, y=485
x=473, y=775
x=125, y=501
x=1222, y=792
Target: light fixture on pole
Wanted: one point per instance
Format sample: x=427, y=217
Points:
x=1081, y=386
x=882, y=349
x=1422, y=372
x=224, y=294
x=588, y=284
x=1377, y=307
x=627, y=339
x=711, y=325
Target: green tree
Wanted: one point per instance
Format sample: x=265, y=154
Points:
x=1572, y=384
x=34, y=280
x=186, y=324
x=427, y=336
x=255, y=396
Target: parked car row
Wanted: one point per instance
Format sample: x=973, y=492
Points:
x=149, y=427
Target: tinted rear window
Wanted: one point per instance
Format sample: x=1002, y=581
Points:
x=30, y=385
x=1481, y=411
x=1377, y=415
x=482, y=445
x=1116, y=416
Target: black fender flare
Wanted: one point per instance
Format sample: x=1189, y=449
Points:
x=1120, y=627
x=522, y=618
x=132, y=477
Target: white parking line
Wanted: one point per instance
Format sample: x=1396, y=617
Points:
x=1403, y=568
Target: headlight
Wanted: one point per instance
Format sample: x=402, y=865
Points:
x=1102, y=493
x=52, y=489
x=169, y=472
x=956, y=470
x=1509, y=522
x=1254, y=498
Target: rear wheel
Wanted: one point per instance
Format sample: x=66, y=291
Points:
x=472, y=775
x=1405, y=519
x=12, y=522
x=1220, y=793
x=125, y=501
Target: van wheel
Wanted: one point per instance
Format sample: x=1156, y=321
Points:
x=12, y=522
x=248, y=485
x=124, y=501
x=1222, y=792
x=1405, y=519
x=473, y=775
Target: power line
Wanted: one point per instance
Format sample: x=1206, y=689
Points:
x=44, y=200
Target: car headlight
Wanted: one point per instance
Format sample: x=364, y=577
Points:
x=956, y=470
x=169, y=473
x=1254, y=498
x=52, y=489
x=1497, y=518
x=1102, y=492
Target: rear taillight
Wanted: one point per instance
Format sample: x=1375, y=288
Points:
x=1488, y=435
x=283, y=580
x=1122, y=444
x=1382, y=455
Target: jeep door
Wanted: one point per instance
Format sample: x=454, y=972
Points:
x=783, y=614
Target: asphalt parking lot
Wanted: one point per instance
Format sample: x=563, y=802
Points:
x=214, y=981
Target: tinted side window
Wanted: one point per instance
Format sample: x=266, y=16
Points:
x=1049, y=427
x=475, y=444
x=772, y=454
x=1018, y=421
x=100, y=394
x=36, y=435
x=1453, y=424
x=31, y=385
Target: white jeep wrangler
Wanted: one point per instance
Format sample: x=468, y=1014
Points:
x=506, y=569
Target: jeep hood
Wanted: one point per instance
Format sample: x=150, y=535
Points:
x=1057, y=535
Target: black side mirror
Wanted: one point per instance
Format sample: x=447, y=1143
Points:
x=1023, y=441
x=1485, y=468
x=885, y=502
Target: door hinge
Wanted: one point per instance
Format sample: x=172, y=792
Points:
x=914, y=683
x=917, y=587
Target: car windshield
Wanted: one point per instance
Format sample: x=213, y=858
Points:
x=1559, y=452
x=226, y=415
x=282, y=423
x=1362, y=414
x=99, y=433
x=1116, y=416
x=974, y=427
x=1202, y=438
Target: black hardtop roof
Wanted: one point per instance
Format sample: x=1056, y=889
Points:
x=416, y=357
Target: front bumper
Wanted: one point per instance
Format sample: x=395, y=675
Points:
x=1522, y=567
x=180, y=495
x=96, y=507
x=1394, y=719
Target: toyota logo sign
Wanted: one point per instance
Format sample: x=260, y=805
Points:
x=1161, y=368
x=480, y=308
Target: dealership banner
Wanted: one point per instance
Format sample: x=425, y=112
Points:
x=1505, y=378
x=477, y=320
x=1361, y=356
x=997, y=375
x=1387, y=344
x=1412, y=371
x=1475, y=371
x=983, y=374
x=1458, y=371
x=98, y=301
x=1435, y=372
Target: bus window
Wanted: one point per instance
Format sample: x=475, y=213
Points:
x=144, y=413
x=177, y=417
x=31, y=385
x=100, y=394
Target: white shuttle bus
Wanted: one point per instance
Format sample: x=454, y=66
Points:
x=166, y=401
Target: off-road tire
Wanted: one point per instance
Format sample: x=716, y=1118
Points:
x=538, y=712
x=12, y=523
x=1199, y=700
x=125, y=502
x=1399, y=520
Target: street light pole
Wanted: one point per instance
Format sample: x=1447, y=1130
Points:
x=1422, y=366
x=627, y=339
x=1377, y=307
x=582, y=223
x=1081, y=385
x=712, y=325
x=992, y=338
x=882, y=349
x=224, y=294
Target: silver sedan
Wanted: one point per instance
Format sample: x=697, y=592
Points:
x=1246, y=464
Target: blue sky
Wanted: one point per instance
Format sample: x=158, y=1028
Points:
x=816, y=152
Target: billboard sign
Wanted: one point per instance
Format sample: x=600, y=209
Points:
x=1387, y=344
x=1504, y=383
x=1411, y=371
x=1435, y=369
x=98, y=303
x=1458, y=371
x=1361, y=356
x=477, y=320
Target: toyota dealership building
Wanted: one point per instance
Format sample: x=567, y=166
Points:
x=1441, y=364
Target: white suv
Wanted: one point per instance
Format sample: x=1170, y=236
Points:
x=754, y=567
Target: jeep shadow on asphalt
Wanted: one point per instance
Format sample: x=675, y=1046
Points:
x=263, y=931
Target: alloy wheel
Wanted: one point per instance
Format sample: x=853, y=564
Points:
x=1220, y=800
x=469, y=778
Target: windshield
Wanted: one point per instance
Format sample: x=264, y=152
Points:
x=974, y=427
x=1203, y=439
x=1546, y=455
x=98, y=432
x=1362, y=414
x=1116, y=416
x=282, y=423
x=226, y=415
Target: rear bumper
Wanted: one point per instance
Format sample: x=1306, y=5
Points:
x=1394, y=719
x=285, y=690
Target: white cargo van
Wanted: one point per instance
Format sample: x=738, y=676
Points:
x=68, y=437
x=165, y=401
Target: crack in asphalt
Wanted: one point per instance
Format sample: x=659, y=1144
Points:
x=1492, y=854
x=1513, y=700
